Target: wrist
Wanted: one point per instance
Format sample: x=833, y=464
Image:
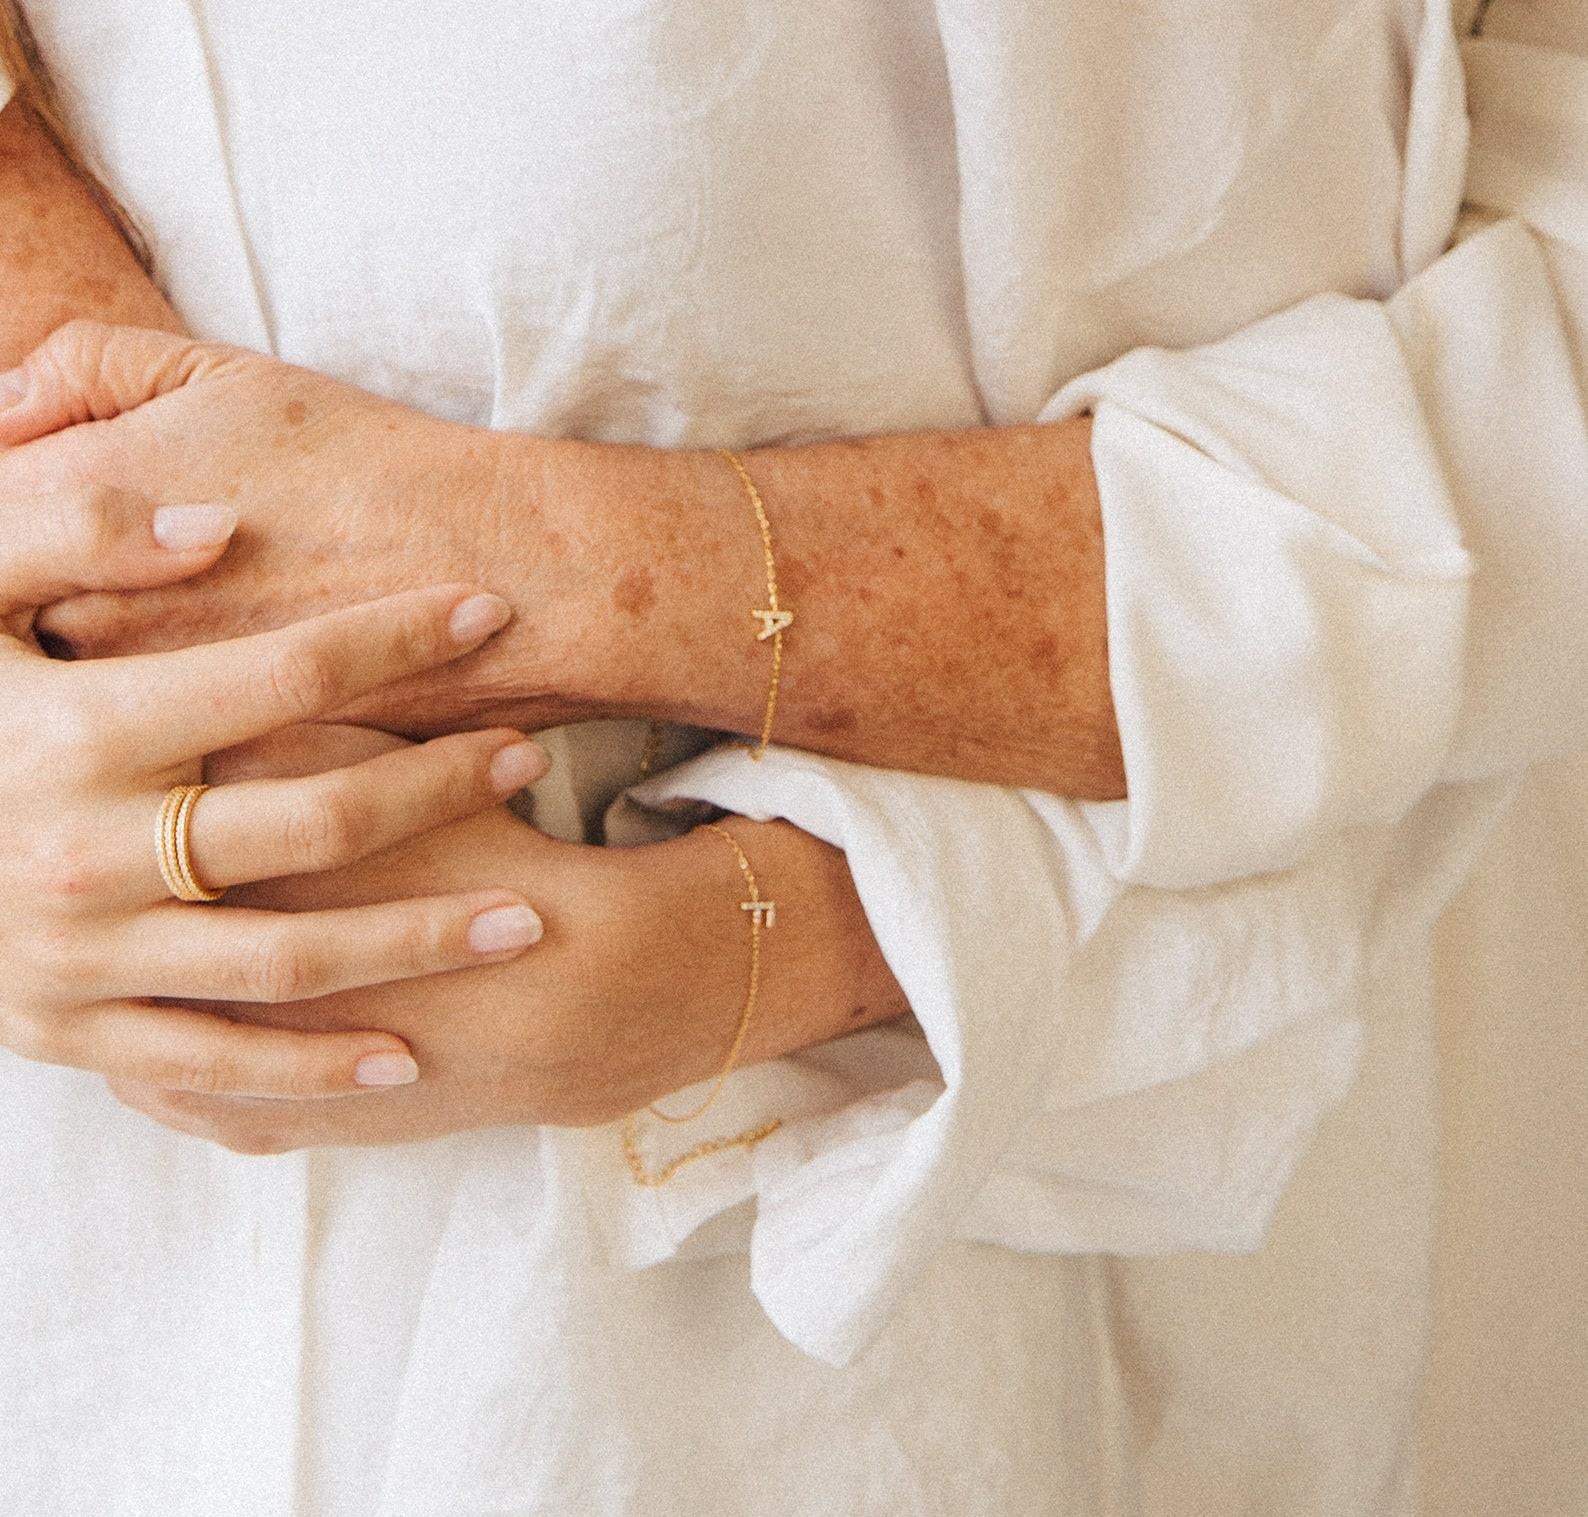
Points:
x=660, y=562
x=527, y=546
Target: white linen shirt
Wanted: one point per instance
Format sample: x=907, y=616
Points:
x=1342, y=476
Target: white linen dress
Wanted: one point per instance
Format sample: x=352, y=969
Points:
x=993, y=1263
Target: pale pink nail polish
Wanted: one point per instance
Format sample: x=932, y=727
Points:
x=517, y=765
x=504, y=929
x=180, y=528
x=477, y=618
x=386, y=1069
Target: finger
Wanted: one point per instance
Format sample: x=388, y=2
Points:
x=180, y=1049
x=104, y=539
x=263, y=829
x=228, y=1121
x=177, y=953
x=176, y=706
x=92, y=371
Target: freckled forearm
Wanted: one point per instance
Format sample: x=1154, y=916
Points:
x=947, y=588
x=59, y=256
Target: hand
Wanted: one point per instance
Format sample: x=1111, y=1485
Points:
x=341, y=496
x=91, y=942
x=634, y=992
x=580, y=1037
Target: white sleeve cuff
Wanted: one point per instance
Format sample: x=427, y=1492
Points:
x=1287, y=592
x=1127, y=1070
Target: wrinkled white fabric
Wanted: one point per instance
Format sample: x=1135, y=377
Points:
x=1331, y=563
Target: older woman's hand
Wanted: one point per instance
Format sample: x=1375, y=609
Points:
x=341, y=497
x=91, y=943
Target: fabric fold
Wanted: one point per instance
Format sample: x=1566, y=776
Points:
x=1103, y=1047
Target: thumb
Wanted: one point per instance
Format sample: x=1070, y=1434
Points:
x=92, y=371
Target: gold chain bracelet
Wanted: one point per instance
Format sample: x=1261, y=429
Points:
x=763, y=917
x=775, y=619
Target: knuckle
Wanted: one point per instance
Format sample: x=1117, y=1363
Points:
x=65, y=870
x=94, y=521
x=80, y=335
x=324, y=829
x=75, y=347
x=300, y=682
x=31, y=1037
x=71, y=736
x=422, y=943
x=251, y=1144
x=416, y=639
x=279, y=970
x=58, y=957
x=198, y=1073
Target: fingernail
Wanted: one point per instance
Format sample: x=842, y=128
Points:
x=13, y=386
x=505, y=929
x=517, y=765
x=478, y=617
x=182, y=527
x=386, y=1069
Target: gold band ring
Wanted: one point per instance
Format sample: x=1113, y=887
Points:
x=171, y=844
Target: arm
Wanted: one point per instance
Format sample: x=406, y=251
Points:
x=632, y=993
x=949, y=586
x=59, y=256
x=948, y=589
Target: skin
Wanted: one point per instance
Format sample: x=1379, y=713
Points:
x=603, y=1016
x=95, y=950
x=656, y=930
x=976, y=555
x=973, y=557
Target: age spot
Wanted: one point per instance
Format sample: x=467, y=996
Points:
x=295, y=413
x=635, y=592
x=833, y=720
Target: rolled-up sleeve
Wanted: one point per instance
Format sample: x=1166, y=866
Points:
x=1345, y=552
x=1347, y=546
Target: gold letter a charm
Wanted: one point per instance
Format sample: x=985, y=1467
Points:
x=772, y=622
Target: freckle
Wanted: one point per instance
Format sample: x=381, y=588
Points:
x=552, y=542
x=295, y=413
x=634, y=593
x=96, y=289
x=1044, y=653
x=857, y=1013
x=793, y=573
x=1059, y=501
x=875, y=496
x=830, y=722
x=898, y=552
x=925, y=491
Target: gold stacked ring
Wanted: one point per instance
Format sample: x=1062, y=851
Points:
x=171, y=844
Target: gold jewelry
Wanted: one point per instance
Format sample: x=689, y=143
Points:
x=171, y=844
x=776, y=619
x=763, y=916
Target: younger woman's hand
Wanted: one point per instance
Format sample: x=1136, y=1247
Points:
x=93, y=949
x=635, y=992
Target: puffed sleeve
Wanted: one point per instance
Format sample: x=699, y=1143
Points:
x=1345, y=552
